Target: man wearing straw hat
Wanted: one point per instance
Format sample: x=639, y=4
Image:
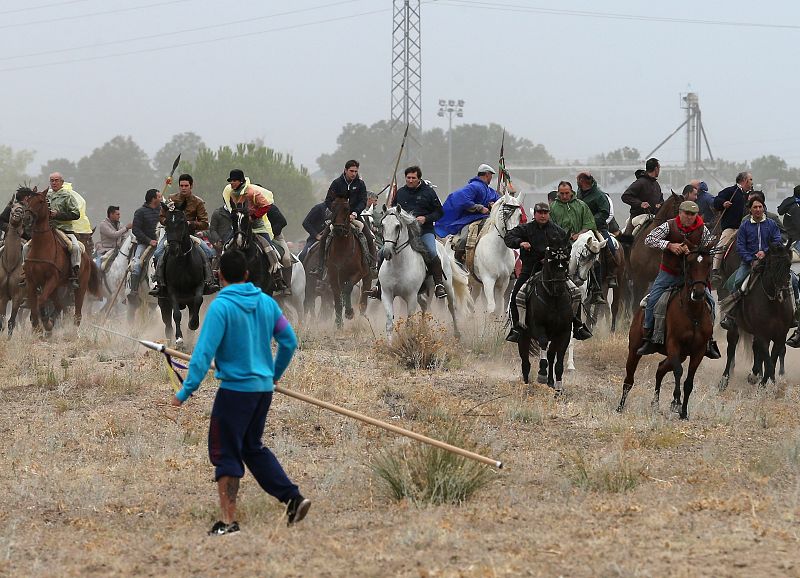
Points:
x=247, y=374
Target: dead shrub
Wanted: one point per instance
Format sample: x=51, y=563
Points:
x=428, y=475
x=615, y=473
x=419, y=342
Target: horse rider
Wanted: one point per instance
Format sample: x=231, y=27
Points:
x=194, y=209
x=674, y=238
x=314, y=225
x=64, y=211
x=145, y=220
x=532, y=240
x=418, y=198
x=570, y=213
x=258, y=200
x=82, y=227
x=111, y=234
x=373, y=214
x=643, y=195
x=220, y=228
x=19, y=197
x=755, y=235
x=599, y=204
x=705, y=201
x=466, y=205
x=790, y=210
x=350, y=186
x=731, y=201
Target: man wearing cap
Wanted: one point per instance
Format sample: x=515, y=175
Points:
x=643, y=195
x=674, y=239
x=731, y=201
x=257, y=200
x=600, y=206
x=465, y=206
x=350, y=186
x=532, y=240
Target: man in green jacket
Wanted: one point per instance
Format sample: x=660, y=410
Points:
x=598, y=204
x=570, y=213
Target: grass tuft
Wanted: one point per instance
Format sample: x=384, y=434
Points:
x=419, y=342
x=427, y=475
x=615, y=473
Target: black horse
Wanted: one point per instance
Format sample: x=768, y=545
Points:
x=766, y=314
x=244, y=239
x=548, y=319
x=184, y=270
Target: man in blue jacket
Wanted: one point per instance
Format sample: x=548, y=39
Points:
x=465, y=206
x=755, y=236
x=237, y=334
x=419, y=199
x=731, y=202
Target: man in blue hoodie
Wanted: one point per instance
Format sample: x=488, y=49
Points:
x=237, y=334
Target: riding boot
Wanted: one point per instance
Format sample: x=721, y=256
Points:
x=579, y=329
x=516, y=331
x=716, y=278
x=365, y=251
x=435, y=267
x=372, y=252
x=611, y=270
x=319, y=270
x=134, y=283
x=596, y=297
x=376, y=292
x=286, y=275
x=160, y=289
x=794, y=340
x=712, y=349
x=647, y=347
x=210, y=286
x=74, y=277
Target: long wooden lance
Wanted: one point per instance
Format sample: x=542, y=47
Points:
x=168, y=180
x=161, y=348
x=393, y=183
x=503, y=179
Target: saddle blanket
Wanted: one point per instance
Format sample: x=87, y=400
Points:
x=63, y=236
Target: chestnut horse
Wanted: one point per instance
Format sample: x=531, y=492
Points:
x=643, y=261
x=345, y=264
x=688, y=329
x=47, y=268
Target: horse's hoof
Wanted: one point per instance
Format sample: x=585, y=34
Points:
x=349, y=314
x=541, y=378
x=194, y=324
x=752, y=378
x=525, y=379
x=675, y=406
x=723, y=383
x=684, y=416
x=620, y=407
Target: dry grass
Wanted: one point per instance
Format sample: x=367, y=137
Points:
x=420, y=342
x=102, y=478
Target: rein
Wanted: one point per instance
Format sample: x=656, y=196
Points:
x=400, y=225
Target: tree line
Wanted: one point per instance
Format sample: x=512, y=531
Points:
x=120, y=171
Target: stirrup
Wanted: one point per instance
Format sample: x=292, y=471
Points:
x=440, y=291
x=513, y=335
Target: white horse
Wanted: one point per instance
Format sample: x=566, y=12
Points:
x=296, y=301
x=585, y=252
x=403, y=271
x=494, y=261
x=117, y=272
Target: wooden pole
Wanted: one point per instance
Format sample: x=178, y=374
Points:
x=361, y=417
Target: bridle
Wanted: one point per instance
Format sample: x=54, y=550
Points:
x=554, y=285
x=507, y=212
x=397, y=247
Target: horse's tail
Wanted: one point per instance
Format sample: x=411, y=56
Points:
x=460, y=280
x=95, y=282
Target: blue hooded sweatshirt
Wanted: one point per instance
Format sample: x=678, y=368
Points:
x=237, y=332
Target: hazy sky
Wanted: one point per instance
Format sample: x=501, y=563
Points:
x=74, y=74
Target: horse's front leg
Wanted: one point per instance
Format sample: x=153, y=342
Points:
x=387, y=299
x=677, y=371
x=541, y=377
x=347, y=297
x=524, y=347
x=194, y=312
x=451, y=307
x=688, y=385
x=489, y=293
x=733, y=339
x=551, y=359
x=176, y=317
x=559, y=369
x=634, y=342
x=760, y=361
x=338, y=305
x=778, y=350
x=570, y=354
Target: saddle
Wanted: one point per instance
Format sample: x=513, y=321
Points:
x=660, y=313
x=475, y=231
x=639, y=223
x=66, y=242
x=107, y=259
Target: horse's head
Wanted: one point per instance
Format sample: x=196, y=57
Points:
x=506, y=213
x=394, y=222
x=340, y=209
x=242, y=227
x=777, y=266
x=669, y=208
x=583, y=255
x=697, y=269
x=556, y=262
x=175, y=227
x=37, y=206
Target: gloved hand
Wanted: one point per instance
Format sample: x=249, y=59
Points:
x=170, y=205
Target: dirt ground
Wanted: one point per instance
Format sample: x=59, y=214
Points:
x=101, y=478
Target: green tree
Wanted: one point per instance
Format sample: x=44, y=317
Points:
x=376, y=148
x=275, y=171
x=13, y=165
x=117, y=173
x=187, y=144
x=769, y=167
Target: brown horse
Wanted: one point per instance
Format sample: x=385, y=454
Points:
x=345, y=265
x=688, y=329
x=643, y=261
x=11, y=269
x=765, y=312
x=47, y=268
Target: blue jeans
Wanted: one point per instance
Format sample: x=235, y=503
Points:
x=741, y=273
x=611, y=246
x=136, y=265
x=209, y=251
x=664, y=281
x=429, y=240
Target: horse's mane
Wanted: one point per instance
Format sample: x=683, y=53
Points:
x=411, y=223
x=668, y=204
x=777, y=265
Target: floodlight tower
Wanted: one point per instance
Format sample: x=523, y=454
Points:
x=407, y=66
x=449, y=107
x=691, y=102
